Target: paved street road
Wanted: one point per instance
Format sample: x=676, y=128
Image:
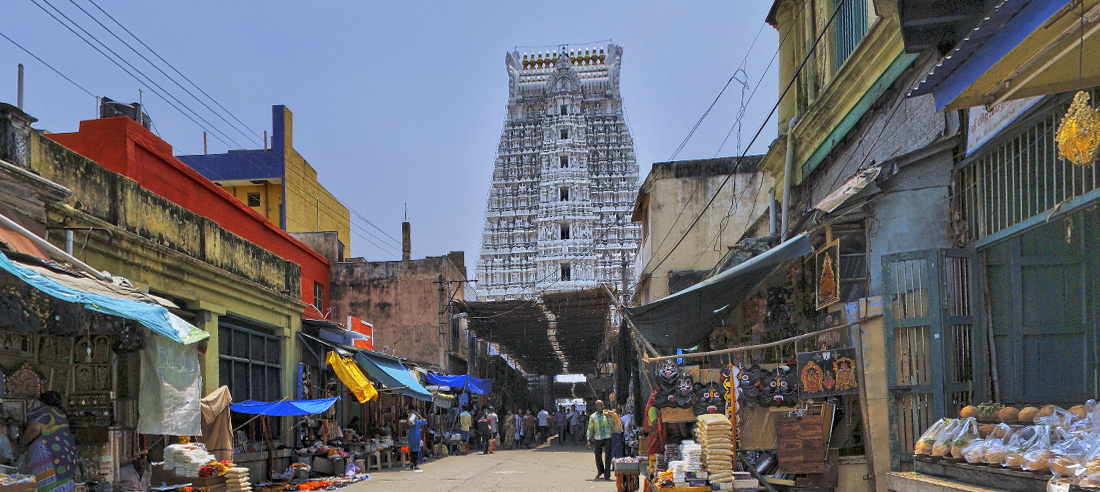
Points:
x=546, y=468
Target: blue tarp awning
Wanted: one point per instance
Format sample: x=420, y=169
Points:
x=392, y=375
x=471, y=384
x=68, y=288
x=284, y=408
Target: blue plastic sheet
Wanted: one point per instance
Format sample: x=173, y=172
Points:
x=392, y=375
x=467, y=383
x=152, y=316
x=284, y=408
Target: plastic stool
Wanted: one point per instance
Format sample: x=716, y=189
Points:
x=377, y=457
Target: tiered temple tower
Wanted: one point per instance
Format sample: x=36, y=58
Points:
x=565, y=179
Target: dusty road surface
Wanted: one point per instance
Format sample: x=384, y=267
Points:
x=546, y=468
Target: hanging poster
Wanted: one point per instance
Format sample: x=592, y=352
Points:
x=827, y=280
x=828, y=373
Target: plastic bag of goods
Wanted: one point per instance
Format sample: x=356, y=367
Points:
x=928, y=439
x=1020, y=442
x=975, y=452
x=1037, y=457
x=995, y=445
x=965, y=435
x=946, y=438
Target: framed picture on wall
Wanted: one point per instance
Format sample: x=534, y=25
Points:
x=827, y=274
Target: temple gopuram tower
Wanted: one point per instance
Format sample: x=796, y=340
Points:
x=564, y=181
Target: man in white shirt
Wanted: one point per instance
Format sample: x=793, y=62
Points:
x=494, y=427
x=544, y=425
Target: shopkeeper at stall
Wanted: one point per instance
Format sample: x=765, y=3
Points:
x=6, y=455
x=134, y=477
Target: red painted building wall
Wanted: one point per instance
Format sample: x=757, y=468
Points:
x=125, y=147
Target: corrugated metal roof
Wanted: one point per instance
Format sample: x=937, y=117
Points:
x=1000, y=15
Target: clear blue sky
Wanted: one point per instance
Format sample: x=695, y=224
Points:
x=398, y=102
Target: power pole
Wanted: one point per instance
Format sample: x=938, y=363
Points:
x=445, y=298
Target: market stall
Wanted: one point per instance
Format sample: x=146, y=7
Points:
x=1020, y=449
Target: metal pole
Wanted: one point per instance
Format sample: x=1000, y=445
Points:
x=10, y=224
x=69, y=241
x=442, y=324
x=19, y=94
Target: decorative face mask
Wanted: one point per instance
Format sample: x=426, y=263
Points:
x=667, y=376
x=709, y=398
x=684, y=395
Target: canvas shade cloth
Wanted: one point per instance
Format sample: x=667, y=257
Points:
x=352, y=377
x=460, y=383
x=217, y=430
x=102, y=297
x=284, y=408
x=392, y=374
x=171, y=387
x=685, y=318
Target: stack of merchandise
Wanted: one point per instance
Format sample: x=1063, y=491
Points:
x=186, y=459
x=691, y=454
x=679, y=470
x=672, y=452
x=236, y=480
x=715, y=432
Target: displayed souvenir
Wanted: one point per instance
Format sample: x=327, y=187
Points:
x=668, y=375
x=684, y=394
x=827, y=261
x=730, y=377
x=782, y=389
x=709, y=398
x=24, y=383
x=828, y=373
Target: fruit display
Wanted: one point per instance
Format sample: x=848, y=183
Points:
x=1043, y=440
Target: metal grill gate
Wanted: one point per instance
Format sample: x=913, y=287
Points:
x=934, y=344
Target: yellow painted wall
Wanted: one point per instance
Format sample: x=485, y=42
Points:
x=706, y=242
x=271, y=199
x=877, y=415
x=309, y=206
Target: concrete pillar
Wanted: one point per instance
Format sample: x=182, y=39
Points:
x=406, y=241
x=208, y=362
x=784, y=17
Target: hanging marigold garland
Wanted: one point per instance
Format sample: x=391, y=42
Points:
x=1079, y=132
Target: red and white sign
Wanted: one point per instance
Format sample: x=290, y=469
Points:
x=363, y=328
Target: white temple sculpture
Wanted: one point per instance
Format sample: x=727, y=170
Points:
x=564, y=181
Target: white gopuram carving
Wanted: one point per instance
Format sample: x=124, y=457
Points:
x=564, y=181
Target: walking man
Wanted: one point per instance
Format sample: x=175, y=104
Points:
x=544, y=426
x=599, y=433
x=464, y=422
x=484, y=430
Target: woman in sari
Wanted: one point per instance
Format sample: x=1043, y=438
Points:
x=509, y=432
x=51, y=450
x=528, y=429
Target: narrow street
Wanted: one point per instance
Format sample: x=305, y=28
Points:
x=546, y=468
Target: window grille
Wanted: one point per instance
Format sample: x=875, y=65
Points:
x=253, y=199
x=250, y=363
x=848, y=28
x=319, y=297
x=1020, y=178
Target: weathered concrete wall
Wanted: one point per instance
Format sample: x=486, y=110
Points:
x=399, y=298
x=326, y=243
x=123, y=203
x=676, y=197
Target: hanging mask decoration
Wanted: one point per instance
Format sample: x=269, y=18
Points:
x=667, y=376
x=684, y=394
x=786, y=387
x=709, y=399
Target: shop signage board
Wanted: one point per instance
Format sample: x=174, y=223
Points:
x=984, y=123
x=828, y=373
x=363, y=328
